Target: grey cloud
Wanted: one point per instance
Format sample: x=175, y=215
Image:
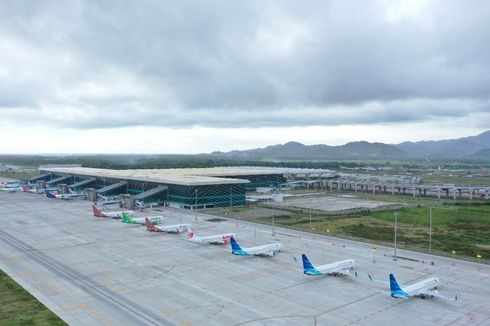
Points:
x=220, y=63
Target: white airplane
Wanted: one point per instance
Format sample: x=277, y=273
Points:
x=126, y=218
x=264, y=250
x=423, y=289
x=10, y=187
x=71, y=195
x=337, y=268
x=105, y=214
x=223, y=238
x=29, y=188
x=177, y=228
x=104, y=200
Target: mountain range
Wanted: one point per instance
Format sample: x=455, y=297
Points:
x=473, y=147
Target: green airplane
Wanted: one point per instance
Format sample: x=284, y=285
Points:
x=126, y=218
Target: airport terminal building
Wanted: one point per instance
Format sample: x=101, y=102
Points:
x=185, y=188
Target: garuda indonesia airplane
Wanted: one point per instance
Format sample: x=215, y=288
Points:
x=68, y=196
x=337, y=268
x=264, y=250
x=423, y=289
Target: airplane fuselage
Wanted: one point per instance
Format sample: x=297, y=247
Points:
x=177, y=228
x=419, y=288
x=264, y=250
x=105, y=214
x=333, y=268
x=213, y=239
x=141, y=220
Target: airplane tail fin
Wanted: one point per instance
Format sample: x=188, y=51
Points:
x=308, y=267
x=235, y=247
x=149, y=225
x=125, y=217
x=97, y=212
x=226, y=238
x=49, y=194
x=396, y=290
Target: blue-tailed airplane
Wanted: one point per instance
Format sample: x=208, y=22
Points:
x=264, y=250
x=337, y=268
x=423, y=289
x=50, y=193
x=68, y=196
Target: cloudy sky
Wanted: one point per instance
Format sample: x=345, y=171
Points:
x=198, y=76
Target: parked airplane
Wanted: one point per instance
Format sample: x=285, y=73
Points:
x=126, y=218
x=105, y=214
x=50, y=193
x=177, y=228
x=423, y=289
x=11, y=187
x=264, y=250
x=223, y=238
x=105, y=200
x=72, y=195
x=337, y=268
x=29, y=188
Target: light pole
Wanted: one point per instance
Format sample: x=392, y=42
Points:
x=430, y=229
x=478, y=257
x=195, y=207
x=310, y=211
x=373, y=249
x=231, y=199
x=273, y=213
x=453, y=252
x=394, y=256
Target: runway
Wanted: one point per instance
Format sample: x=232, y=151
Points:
x=100, y=271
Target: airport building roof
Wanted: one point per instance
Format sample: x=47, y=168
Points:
x=188, y=177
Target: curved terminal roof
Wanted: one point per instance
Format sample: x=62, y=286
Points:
x=188, y=177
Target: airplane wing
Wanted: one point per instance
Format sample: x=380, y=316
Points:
x=346, y=272
x=377, y=281
x=434, y=293
x=260, y=251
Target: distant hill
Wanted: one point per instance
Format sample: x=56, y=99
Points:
x=453, y=148
x=483, y=154
x=472, y=147
x=295, y=150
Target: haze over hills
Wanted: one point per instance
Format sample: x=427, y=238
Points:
x=473, y=147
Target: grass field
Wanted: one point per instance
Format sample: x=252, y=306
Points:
x=388, y=197
x=463, y=227
x=457, y=179
x=18, y=307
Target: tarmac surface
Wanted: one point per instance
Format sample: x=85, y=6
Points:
x=93, y=271
x=333, y=203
